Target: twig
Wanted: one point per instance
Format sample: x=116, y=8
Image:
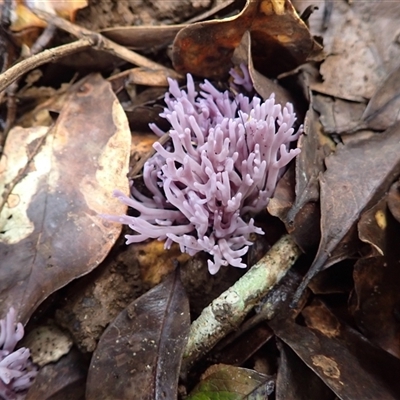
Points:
x=103, y=43
x=51, y=55
x=41, y=42
x=228, y=311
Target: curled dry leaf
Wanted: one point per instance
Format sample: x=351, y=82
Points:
x=372, y=227
x=383, y=108
x=143, y=37
x=303, y=217
x=262, y=85
x=278, y=33
x=346, y=193
x=54, y=183
x=139, y=355
x=360, y=50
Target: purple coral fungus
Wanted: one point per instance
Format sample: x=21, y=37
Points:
x=16, y=370
x=221, y=166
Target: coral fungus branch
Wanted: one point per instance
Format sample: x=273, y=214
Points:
x=220, y=168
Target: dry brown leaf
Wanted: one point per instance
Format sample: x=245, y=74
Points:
x=372, y=227
x=295, y=381
x=281, y=41
x=139, y=355
x=262, y=85
x=65, y=379
x=361, y=44
x=345, y=360
x=143, y=37
x=394, y=200
x=337, y=115
x=377, y=296
x=54, y=183
x=22, y=18
x=383, y=108
x=357, y=176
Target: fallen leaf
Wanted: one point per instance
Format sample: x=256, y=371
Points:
x=372, y=227
x=64, y=379
x=277, y=32
x=139, y=354
x=315, y=146
x=143, y=76
x=143, y=37
x=54, y=183
x=377, y=296
x=346, y=193
x=394, y=200
x=227, y=382
x=295, y=381
x=359, y=50
x=346, y=361
x=304, y=215
x=245, y=346
x=383, y=109
x=22, y=18
x=338, y=116
x=262, y=85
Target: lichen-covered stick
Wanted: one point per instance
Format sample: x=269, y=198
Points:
x=227, y=312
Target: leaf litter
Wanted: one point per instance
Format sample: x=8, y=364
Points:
x=76, y=136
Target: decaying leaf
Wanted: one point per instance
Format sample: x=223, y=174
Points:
x=316, y=146
x=277, y=32
x=244, y=347
x=295, y=381
x=262, y=85
x=345, y=360
x=301, y=219
x=22, y=18
x=346, y=192
x=54, y=183
x=372, y=227
x=139, y=354
x=143, y=76
x=376, y=293
x=64, y=379
x=338, y=116
x=394, y=200
x=226, y=381
x=356, y=61
x=383, y=108
x=143, y=37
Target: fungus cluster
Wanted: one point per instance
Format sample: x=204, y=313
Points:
x=225, y=156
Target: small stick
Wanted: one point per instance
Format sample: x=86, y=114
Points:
x=51, y=55
x=228, y=311
x=103, y=43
